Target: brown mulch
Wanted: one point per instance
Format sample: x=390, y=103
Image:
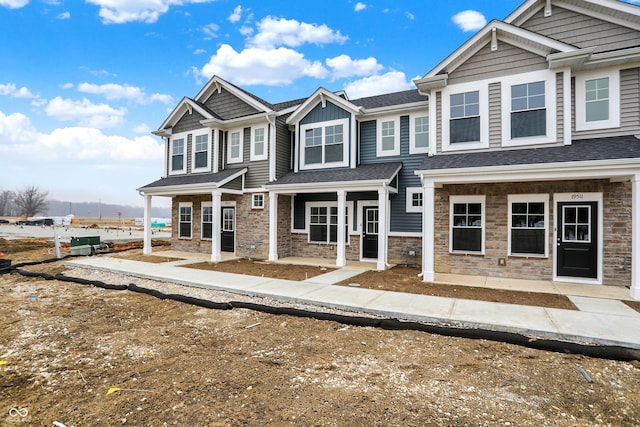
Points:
x=264, y=269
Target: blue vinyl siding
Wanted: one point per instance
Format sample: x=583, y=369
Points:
x=300, y=201
x=401, y=221
x=328, y=113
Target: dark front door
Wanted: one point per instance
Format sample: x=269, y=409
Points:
x=370, y=232
x=577, y=239
x=227, y=238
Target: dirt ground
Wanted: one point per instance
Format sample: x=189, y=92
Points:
x=85, y=356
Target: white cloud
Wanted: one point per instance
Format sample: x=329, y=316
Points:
x=410, y=16
x=14, y=4
x=343, y=66
x=64, y=15
x=147, y=11
x=274, y=32
x=210, y=31
x=359, y=7
x=246, y=30
x=10, y=90
x=235, y=15
x=142, y=128
x=254, y=66
x=113, y=91
x=393, y=81
x=199, y=51
x=85, y=112
x=469, y=20
x=72, y=143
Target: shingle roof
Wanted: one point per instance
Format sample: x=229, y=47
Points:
x=368, y=172
x=388, y=99
x=623, y=147
x=201, y=178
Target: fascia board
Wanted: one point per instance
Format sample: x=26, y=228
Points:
x=619, y=6
x=304, y=108
x=233, y=123
x=315, y=187
x=394, y=108
x=597, y=169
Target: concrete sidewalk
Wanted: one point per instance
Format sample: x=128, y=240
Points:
x=599, y=321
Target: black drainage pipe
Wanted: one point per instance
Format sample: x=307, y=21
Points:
x=601, y=352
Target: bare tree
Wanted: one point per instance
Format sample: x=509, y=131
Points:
x=6, y=202
x=31, y=201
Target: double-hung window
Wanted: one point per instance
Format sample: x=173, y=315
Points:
x=258, y=143
x=419, y=134
x=324, y=144
x=528, y=224
x=388, y=138
x=528, y=112
x=323, y=224
x=184, y=220
x=467, y=218
x=464, y=117
x=178, y=164
x=598, y=100
x=234, y=146
x=207, y=221
x=201, y=152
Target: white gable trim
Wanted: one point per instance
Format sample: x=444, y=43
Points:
x=186, y=105
x=321, y=95
x=216, y=84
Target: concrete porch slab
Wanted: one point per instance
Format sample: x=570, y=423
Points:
x=603, y=306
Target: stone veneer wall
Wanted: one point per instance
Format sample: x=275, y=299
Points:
x=300, y=247
x=616, y=230
x=284, y=226
x=252, y=226
x=396, y=246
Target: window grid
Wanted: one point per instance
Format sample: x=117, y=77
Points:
x=597, y=99
x=388, y=135
x=422, y=132
x=185, y=222
x=528, y=228
x=207, y=222
x=177, y=154
x=467, y=227
x=235, y=144
x=202, y=151
x=258, y=142
x=258, y=201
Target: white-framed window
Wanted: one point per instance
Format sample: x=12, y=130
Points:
x=258, y=143
x=418, y=133
x=529, y=108
x=235, y=143
x=388, y=136
x=201, y=150
x=528, y=225
x=322, y=222
x=207, y=221
x=465, y=116
x=598, y=100
x=324, y=144
x=466, y=224
x=414, y=199
x=257, y=201
x=178, y=154
x=185, y=218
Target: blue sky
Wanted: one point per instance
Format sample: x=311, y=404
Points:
x=83, y=83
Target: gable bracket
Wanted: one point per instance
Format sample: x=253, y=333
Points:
x=323, y=100
x=547, y=9
x=494, y=40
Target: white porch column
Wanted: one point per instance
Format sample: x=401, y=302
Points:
x=383, y=199
x=341, y=259
x=273, y=227
x=428, y=231
x=635, y=237
x=216, y=226
x=146, y=248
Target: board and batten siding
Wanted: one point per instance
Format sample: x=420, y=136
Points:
x=582, y=31
x=328, y=113
x=228, y=106
x=629, y=109
x=284, y=153
x=400, y=220
x=505, y=61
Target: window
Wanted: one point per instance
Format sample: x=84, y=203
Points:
x=235, y=143
x=257, y=201
x=464, y=122
x=324, y=145
x=184, y=220
x=323, y=223
x=529, y=108
x=177, y=155
x=258, y=144
x=528, y=224
x=414, y=199
x=467, y=224
x=388, y=139
x=528, y=112
x=201, y=152
x=576, y=224
x=419, y=134
x=598, y=100
x=207, y=221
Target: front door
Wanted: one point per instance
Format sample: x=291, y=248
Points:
x=577, y=239
x=227, y=238
x=370, y=232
